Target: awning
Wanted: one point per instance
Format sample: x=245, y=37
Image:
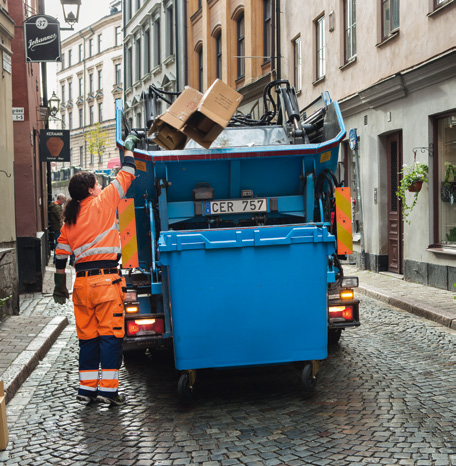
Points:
x=114, y=163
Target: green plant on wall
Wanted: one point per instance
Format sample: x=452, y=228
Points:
x=3, y=301
x=96, y=139
x=412, y=177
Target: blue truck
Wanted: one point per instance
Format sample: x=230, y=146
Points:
x=234, y=248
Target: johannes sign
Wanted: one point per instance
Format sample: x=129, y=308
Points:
x=42, y=39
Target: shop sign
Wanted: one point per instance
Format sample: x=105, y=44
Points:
x=55, y=145
x=42, y=39
x=18, y=113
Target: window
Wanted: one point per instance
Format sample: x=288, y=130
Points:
x=63, y=121
x=138, y=120
x=200, y=69
x=390, y=17
x=81, y=118
x=70, y=120
x=350, y=29
x=445, y=131
x=91, y=83
x=80, y=87
x=81, y=55
x=267, y=30
x=129, y=66
x=92, y=158
x=91, y=115
x=100, y=112
x=218, y=55
x=118, y=35
x=240, y=47
x=146, y=51
x=71, y=158
x=63, y=93
x=118, y=74
x=100, y=80
x=157, y=45
x=170, y=31
x=63, y=61
x=437, y=3
x=320, y=29
x=70, y=56
x=297, y=63
x=138, y=59
x=128, y=9
x=70, y=91
x=90, y=47
x=81, y=156
x=138, y=4
x=100, y=43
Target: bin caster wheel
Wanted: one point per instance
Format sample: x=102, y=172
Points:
x=309, y=381
x=185, y=390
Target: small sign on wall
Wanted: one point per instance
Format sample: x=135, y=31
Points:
x=6, y=62
x=18, y=113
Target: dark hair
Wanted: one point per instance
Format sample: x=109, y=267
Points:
x=79, y=189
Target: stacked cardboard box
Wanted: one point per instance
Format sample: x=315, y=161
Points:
x=196, y=116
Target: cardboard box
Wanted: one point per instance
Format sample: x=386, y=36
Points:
x=168, y=126
x=3, y=424
x=213, y=114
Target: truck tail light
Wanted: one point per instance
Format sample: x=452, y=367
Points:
x=347, y=294
x=132, y=308
x=141, y=327
x=346, y=312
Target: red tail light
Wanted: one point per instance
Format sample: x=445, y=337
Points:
x=346, y=312
x=145, y=327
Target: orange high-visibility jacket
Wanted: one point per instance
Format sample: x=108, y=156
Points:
x=95, y=236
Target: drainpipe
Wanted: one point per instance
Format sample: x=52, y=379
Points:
x=279, y=71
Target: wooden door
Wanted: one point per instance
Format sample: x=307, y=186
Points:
x=395, y=242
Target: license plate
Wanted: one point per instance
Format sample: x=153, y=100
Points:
x=235, y=207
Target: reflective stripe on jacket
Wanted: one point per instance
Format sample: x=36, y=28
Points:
x=95, y=236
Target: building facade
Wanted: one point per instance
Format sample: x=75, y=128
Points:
x=391, y=64
x=8, y=263
x=154, y=51
x=31, y=193
x=90, y=79
x=235, y=41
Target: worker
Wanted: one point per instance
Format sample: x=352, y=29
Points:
x=56, y=217
x=90, y=231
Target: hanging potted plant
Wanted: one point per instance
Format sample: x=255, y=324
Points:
x=413, y=177
x=448, y=187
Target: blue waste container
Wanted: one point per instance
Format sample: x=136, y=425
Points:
x=247, y=296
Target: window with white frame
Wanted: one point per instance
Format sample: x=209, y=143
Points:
x=118, y=71
x=147, y=51
x=390, y=17
x=297, y=64
x=63, y=121
x=157, y=43
x=240, y=37
x=321, y=47
x=138, y=59
x=70, y=56
x=100, y=80
x=170, y=31
x=350, y=29
x=129, y=67
x=81, y=53
x=100, y=43
x=63, y=93
x=81, y=118
x=100, y=112
x=70, y=120
x=218, y=54
x=90, y=47
x=118, y=35
x=80, y=87
x=81, y=156
x=91, y=89
x=91, y=115
x=70, y=90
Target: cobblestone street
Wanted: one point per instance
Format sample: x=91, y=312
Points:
x=385, y=395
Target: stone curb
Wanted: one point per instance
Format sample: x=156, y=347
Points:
x=420, y=311
x=27, y=361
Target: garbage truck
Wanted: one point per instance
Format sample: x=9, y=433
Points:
x=232, y=252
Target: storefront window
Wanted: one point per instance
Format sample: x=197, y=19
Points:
x=446, y=179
